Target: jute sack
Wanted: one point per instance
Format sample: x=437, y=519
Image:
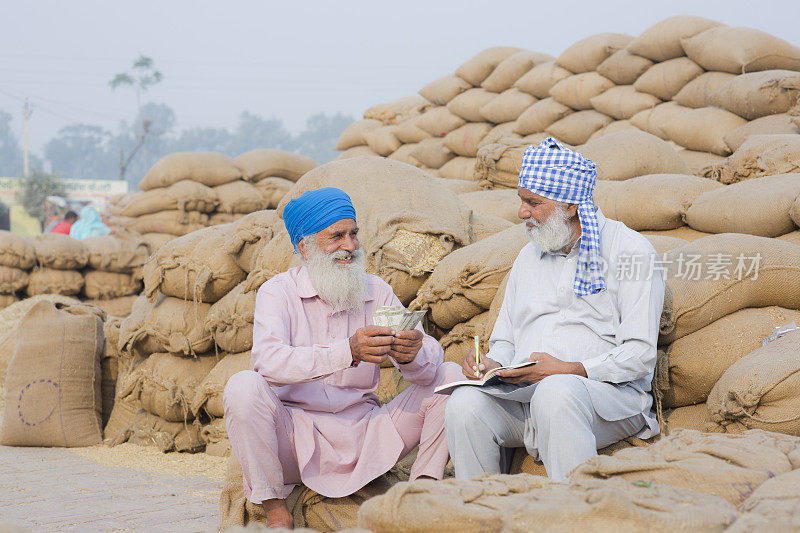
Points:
x=239, y=197
x=249, y=235
x=458, y=168
x=698, y=360
x=664, y=243
x=522, y=463
x=215, y=437
x=270, y=162
x=12, y=279
x=195, y=267
x=432, y=152
x=769, y=200
x=353, y=135
x=107, y=285
x=461, y=186
x=613, y=127
x=115, y=307
x=689, y=417
x=697, y=93
x=726, y=466
x=762, y=389
x=54, y=250
x=478, y=68
x=770, y=125
x=586, y=54
x=53, y=281
x=622, y=102
x=654, y=120
x=464, y=283
x=503, y=203
x=276, y=256
x=16, y=251
x=154, y=241
x=762, y=272
x=166, y=385
x=464, y=140
x=576, y=128
x=404, y=154
x=439, y=121
x=759, y=155
x=665, y=195
x=699, y=161
x=644, y=154
x=487, y=225
x=230, y=320
x=166, y=325
x=662, y=41
x=54, y=378
x=391, y=384
x=541, y=78
x=272, y=190
x=217, y=219
x=185, y=195
x=382, y=140
x=147, y=429
x=623, y=67
x=759, y=94
x=111, y=253
x=737, y=50
x=467, y=105
x=442, y=90
x=792, y=237
x=684, y=232
x=208, y=394
x=540, y=115
x=398, y=110
x=109, y=367
x=577, y=91
x=498, y=133
x=773, y=506
x=356, y=151
x=409, y=132
x=498, y=164
x=703, y=129
x=172, y=222
x=666, y=79
x=507, y=106
x=533, y=503
x=7, y=300
x=512, y=68
x=208, y=168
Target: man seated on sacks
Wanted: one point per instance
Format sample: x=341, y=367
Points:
x=306, y=413
x=592, y=332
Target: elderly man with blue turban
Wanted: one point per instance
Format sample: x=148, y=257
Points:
x=307, y=412
x=574, y=307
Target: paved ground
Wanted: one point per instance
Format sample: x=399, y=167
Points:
x=52, y=489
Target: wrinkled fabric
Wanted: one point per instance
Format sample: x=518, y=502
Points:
x=316, y=210
x=88, y=225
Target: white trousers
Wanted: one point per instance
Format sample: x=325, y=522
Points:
x=559, y=426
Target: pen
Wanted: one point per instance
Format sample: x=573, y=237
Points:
x=477, y=358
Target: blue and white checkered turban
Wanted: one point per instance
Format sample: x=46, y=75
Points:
x=553, y=171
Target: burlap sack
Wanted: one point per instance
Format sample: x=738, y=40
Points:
x=109, y=367
x=432, y=152
x=736, y=50
x=217, y=219
x=541, y=78
x=478, y=68
x=703, y=129
x=623, y=68
x=443, y=90
x=586, y=54
x=230, y=320
x=147, y=429
x=208, y=168
x=773, y=506
x=250, y=234
x=7, y=342
x=55, y=250
x=645, y=154
x=382, y=140
x=578, y=90
x=653, y=120
x=439, y=121
x=215, y=437
x=106, y=285
x=16, y=251
x=698, y=360
x=532, y=503
x=167, y=325
x=398, y=110
x=697, y=92
x=684, y=232
x=408, y=131
x=622, y=102
x=752, y=272
x=769, y=125
x=53, y=281
x=507, y=106
x=275, y=256
x=762, y=389
x=239, y=197
x=662, y=41
x=272, y=190
x=498, y=133
x=498, y=164
x=576, y=128
x=195, y=267
x=172, y=222
x=503, y=203
x=7, y=300
x=512, y=68
x=487, y=225
x=699, y=161
x=208, y=395
x=522, y=463
x=540, y=115
x=664, y=243
x=690, y=417
x=54, y=378
x=464, y=140
x=404, y=154
x=666, y=196
x=759, y=155
x=461, y=186
x=464, y=283
x=353, y=135
x=759, y=94
x=122, y=415
x=12, y=279
x=467, y=105
x=269, y=162
x=356, y=151
x=614, y=127
x=154, y=241
x=184, y=195
x=115, y=307
x=458, y=168
x=792, y=237
x=666, y=79
x=111, y=253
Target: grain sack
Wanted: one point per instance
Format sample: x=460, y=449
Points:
x=623, y=102
x=664, y=243
x=653, y=120
x=726, y=466
x=443, y=90
x=512, y=68
x=792, y=237
x=460, y=186
x=534, y=503
x=644, y=154
x=16, y=251
x=7, y=342
x=458, y=343
x=464, y=283
x=167, y=325
x=54, y=378
x=215, y=437
x=760, y=390
x=230, y=320
x=684, y=232
x=404, y=155
x=698, y=360
x=390, y=384
x=769, y=125
x=478, y=68
x=397, y=110
x=699, y=161
x=239, y=197
x=208, y=395
x=147, y=429
x=382, y=140
x=467, y=105
x=759, y=94
x=409, y=132
x=588, y=53
x=272, y=190
x=498, y=164
x=269, y=162
x=614, y=127
x=53, y=281
x=662, y=41
x=773, y=506
x=208, y=168
x=439, y=121
x=105, y=285
x=503, y=203
x=703, y=129
x=154, y=241
x=111, y=253
x=353, y=135
x=689, y=417
x=507, y=106
x=115, y=307
x=623, y=68
x=576, y=128
x=249, y=236
x=7, y=300
x=540, y=115
x=498, y=133
x=217, y=219
x=697, y=93
x=184, y=195
x=666, y=196
x=522, y=463
x=54, y=250
x=356, y=151
x=173, y=222
x=196, y=267
x=12, y=279
x=487, y=225
x=464, y=140
x=541, y=78
x=578, y=90
x=274, y=257
x=109, y=367
x=432, y=152
x=737, y=50
x=459, y=168
x=759, y=155
x=666, y=79
x=761, y=272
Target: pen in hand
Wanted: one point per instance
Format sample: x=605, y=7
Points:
x=477, y=358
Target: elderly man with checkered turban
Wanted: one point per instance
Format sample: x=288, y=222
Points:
x=583, y=302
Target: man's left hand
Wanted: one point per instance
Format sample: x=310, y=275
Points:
x=546, y=365
x=406, y=345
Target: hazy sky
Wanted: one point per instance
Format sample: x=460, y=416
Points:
x=291, y=59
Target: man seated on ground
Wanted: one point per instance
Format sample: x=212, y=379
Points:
x=65, y=225
x=307, y=413
x=570, y=306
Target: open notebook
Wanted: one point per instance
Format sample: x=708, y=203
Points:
x=480, y=382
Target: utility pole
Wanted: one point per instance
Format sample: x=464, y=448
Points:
x=26, y=140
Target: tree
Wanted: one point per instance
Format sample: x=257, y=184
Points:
x=35, y=190
x=160, y=120
x=319, y=138
x=81, y=151
x=254, y=132
x=10, y=152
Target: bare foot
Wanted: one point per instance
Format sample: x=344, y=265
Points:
x=277, y=514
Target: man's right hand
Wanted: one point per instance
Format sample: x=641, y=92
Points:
x=371, y=344
x=468, y=366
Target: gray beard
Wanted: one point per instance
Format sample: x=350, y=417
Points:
x=343, y=287
x=554, y=234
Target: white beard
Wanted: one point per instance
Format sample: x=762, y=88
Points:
x=554, y=234
x=342, y=286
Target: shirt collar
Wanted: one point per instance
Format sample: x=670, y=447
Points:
x=601, y=221
x=306, y=289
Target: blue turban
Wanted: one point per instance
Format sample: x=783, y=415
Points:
x=316, y=210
